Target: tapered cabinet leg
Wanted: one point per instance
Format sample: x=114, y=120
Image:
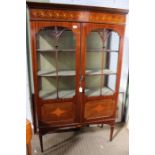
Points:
x=41, y=142
x=29, y=149
x=111, y=132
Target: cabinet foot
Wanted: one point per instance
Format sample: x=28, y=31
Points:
x=111, y=132
x=41, y=142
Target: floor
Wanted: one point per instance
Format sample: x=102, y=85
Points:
x=92, y=140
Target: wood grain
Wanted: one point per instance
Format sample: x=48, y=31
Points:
x=28, y=137
x=28, y=131
x=58, y=112
x=98, y=109
x=80, y=16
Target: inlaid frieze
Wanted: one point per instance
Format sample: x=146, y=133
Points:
x=83, y=16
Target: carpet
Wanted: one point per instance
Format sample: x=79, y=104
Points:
x=92, y=140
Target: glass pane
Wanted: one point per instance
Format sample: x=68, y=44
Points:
x=66, y=61
x=56, y=60
x=100, y=85
x=108, y=85
x=45, y=40
x=46, y=63
x=114, y=41
x=93, y=84
x=66, y=87
x=110, y=62
x=101, y=61
x=67, y=41
x=47, y=87
x=103, y=38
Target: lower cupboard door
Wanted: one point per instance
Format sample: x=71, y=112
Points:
x=58, y=113
x=99, y=109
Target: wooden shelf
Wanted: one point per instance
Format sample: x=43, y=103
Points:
x=46, y=95
x=54, y=50
x=99, y=50
x=96, y=92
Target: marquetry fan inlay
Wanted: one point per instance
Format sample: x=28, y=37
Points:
x=58, y=112
x=98, y=108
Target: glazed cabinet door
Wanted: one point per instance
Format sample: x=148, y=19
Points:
x=56, y=49
x=100, y=70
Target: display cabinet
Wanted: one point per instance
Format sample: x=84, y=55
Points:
x=76, y=62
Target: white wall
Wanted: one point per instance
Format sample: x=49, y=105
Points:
x=104, y=3
x=124, y=4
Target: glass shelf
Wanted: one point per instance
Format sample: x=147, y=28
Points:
x=99, y=72
x=73, y=73
x=54, y=50
x=60, y=73
x=100, y=85
x=99, y=50
x=47, y=94
x=95, y=92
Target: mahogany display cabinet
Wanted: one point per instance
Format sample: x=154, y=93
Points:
x=76, y=62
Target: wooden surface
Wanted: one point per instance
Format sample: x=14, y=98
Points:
x=58, y=113
x=28, y=131
x=28, y=137
x=99, y=109
x=80, y=109
x=62, y=12
x=80, y=16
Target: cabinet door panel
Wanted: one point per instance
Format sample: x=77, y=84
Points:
x=56, y=60
x=57, y=113
x=101, y=58
x=56, y=47
x=99, y=109
x=100, y=48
